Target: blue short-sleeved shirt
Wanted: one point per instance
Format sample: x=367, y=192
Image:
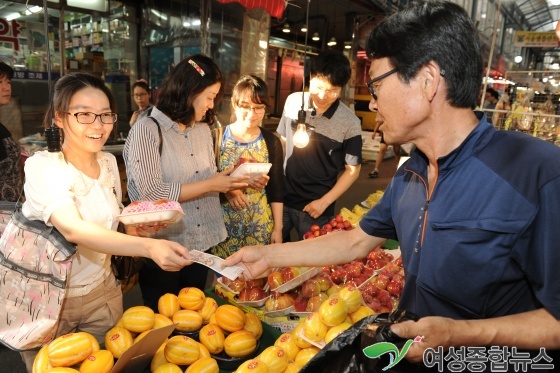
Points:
x=487, y=244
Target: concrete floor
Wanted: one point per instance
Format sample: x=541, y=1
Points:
x=10, y=361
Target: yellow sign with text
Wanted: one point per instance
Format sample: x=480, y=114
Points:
x=536, y=39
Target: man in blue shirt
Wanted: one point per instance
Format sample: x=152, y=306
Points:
x=475, y=210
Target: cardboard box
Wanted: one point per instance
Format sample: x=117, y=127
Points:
x=139, y=355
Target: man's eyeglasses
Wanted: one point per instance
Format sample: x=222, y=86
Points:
x=330, y=93
x=140, y=95
x=370, y=86
x=89, y=118
x=255, y=109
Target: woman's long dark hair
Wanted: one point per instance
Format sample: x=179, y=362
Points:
x=184, y=83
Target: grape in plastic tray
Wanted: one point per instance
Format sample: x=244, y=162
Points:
x=396, y=254
x=296, y=281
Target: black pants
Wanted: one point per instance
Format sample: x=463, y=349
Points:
x=155, y=282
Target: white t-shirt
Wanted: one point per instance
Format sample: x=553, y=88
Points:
x=52, y=183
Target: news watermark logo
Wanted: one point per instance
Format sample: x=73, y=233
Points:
x=466, y=359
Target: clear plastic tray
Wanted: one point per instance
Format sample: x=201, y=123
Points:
x=278, y=313
x=221, y=282
x=254, y=303
x=295, y=282
x=158, y=216
x=254, y=170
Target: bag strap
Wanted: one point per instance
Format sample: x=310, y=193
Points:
x=158, y=129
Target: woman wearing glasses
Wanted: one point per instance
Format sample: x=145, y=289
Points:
x=252, y=216
x=142, y=96
x=169, y=154
x=77, y=190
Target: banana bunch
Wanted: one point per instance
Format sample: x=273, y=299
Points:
x=350, y=216
x=360, y=210
x=373, y=198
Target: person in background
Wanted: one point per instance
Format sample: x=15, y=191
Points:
x=77, y=190
x=10, y=155
x=142, y=96
x=170, y=155
x=474, y=210
x=318, y=174
x=252, y=216
x=382, y=150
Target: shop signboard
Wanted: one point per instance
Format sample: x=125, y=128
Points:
x=531, y=39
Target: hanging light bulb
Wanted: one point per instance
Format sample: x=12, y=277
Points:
x=286, y=28
x=301, y=138
x=332, y=42
x=304, y=28
x=315, y=36
x=347, y=45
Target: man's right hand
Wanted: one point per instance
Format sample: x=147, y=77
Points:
x=252, y=260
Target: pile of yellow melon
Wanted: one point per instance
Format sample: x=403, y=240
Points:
x=224, y=329
x=73, y=352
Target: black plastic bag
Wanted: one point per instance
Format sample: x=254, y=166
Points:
x=345, y=353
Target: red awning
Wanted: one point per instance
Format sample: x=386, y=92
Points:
x=273, y=7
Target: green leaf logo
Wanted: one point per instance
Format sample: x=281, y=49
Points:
x=395, y=356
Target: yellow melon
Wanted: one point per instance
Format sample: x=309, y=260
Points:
x=168, y=368
x=187, y=320
x=212, y=337
x=62, y=370
x=191, y=298
x=240, y=343
x=203, y=351
x=287, y=342
x=300, y=342
x=41, y=363
x=360, y=313
x=101, y=361
x=335, y=331
x=138, y=319
x=230, y=318
x=94, y=343
x=305, y=355
x=159, y=358
x=313, y=328
x=118, y=340
x=181, y=350
x=209, y=307
x=252, y=366
x=292, y=368
x=204, y=365
x=69, y=349
x=275, y=358
x=253, y=324
x=160, y=321
x=168, y=304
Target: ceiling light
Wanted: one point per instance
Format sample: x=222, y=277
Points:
x=315, y=36
x=304, y=28
x=347, y=45
x=518, y=59
x=332, y=42
x=12, y=16
x=286, y=28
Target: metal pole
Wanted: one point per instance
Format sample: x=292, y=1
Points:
x=491, y=54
